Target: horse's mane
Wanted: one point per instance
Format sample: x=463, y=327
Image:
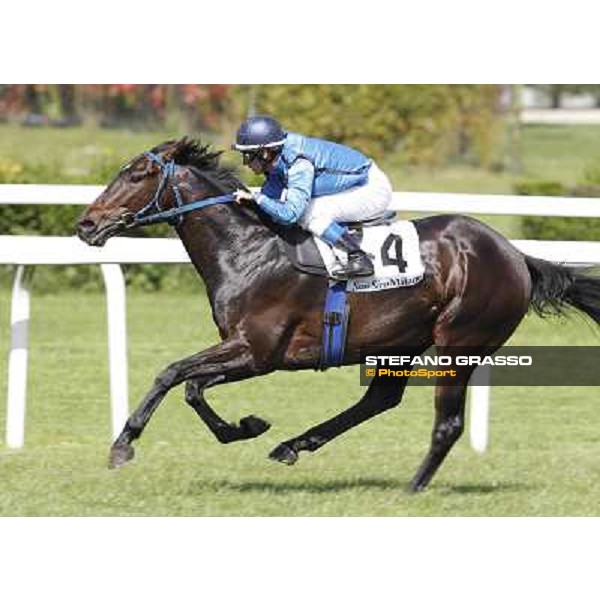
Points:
x=193, y=153
x=206, y=162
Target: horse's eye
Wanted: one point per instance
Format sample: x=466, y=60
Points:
x=136, y=177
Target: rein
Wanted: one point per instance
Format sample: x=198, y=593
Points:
x=173, y=216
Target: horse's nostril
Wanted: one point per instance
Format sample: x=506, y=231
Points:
x=85, y=229
x=86, y=225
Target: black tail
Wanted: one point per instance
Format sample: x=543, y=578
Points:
x=555, y=286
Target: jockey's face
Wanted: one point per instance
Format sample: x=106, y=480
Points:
x=260, y=161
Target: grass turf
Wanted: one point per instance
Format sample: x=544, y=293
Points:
x=542, y=459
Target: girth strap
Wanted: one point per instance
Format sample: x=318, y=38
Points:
x=335, y=326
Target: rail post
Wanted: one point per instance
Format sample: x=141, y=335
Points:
x=114, y=284
x=17, y=359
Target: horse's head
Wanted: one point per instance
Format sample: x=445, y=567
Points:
x=134, y=187
x=150, y=183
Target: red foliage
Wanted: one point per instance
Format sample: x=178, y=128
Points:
x=122, y=88
x=204, y=104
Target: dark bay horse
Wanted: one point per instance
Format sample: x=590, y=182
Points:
x=476, y=290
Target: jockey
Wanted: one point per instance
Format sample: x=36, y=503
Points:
x=315, y=184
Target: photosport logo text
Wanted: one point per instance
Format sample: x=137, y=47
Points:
x=518, y=366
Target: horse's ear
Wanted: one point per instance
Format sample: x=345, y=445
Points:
x=176, y=150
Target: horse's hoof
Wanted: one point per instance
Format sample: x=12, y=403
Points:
x=416, y=488
x=253, y=426
x=119, y=455
x=284, y=454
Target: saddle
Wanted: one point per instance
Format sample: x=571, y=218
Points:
x=300, y=247
x=303, y=252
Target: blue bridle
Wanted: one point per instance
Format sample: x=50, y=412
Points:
x=172, y=216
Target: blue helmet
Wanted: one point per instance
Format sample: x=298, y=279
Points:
x=259, y=132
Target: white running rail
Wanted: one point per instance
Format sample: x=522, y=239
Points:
x=25, y=251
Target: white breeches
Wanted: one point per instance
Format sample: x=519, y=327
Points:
x=356, y=204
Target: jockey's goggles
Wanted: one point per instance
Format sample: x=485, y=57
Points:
x=257, y=156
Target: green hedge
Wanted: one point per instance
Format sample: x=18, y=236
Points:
x=560, y=228
x=429, y=124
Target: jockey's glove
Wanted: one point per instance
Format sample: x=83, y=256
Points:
x=243, y=195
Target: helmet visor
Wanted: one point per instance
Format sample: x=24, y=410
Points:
x=252, y=147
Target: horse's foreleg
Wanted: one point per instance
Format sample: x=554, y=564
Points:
x=248, y=427
x=229, y=361
x=383, y=394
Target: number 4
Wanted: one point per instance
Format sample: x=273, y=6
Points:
x=386, y=259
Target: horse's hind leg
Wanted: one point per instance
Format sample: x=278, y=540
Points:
x=450, y=394
x=447, y=428
x=382, y=394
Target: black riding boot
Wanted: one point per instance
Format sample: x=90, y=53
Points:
x=358, y=265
